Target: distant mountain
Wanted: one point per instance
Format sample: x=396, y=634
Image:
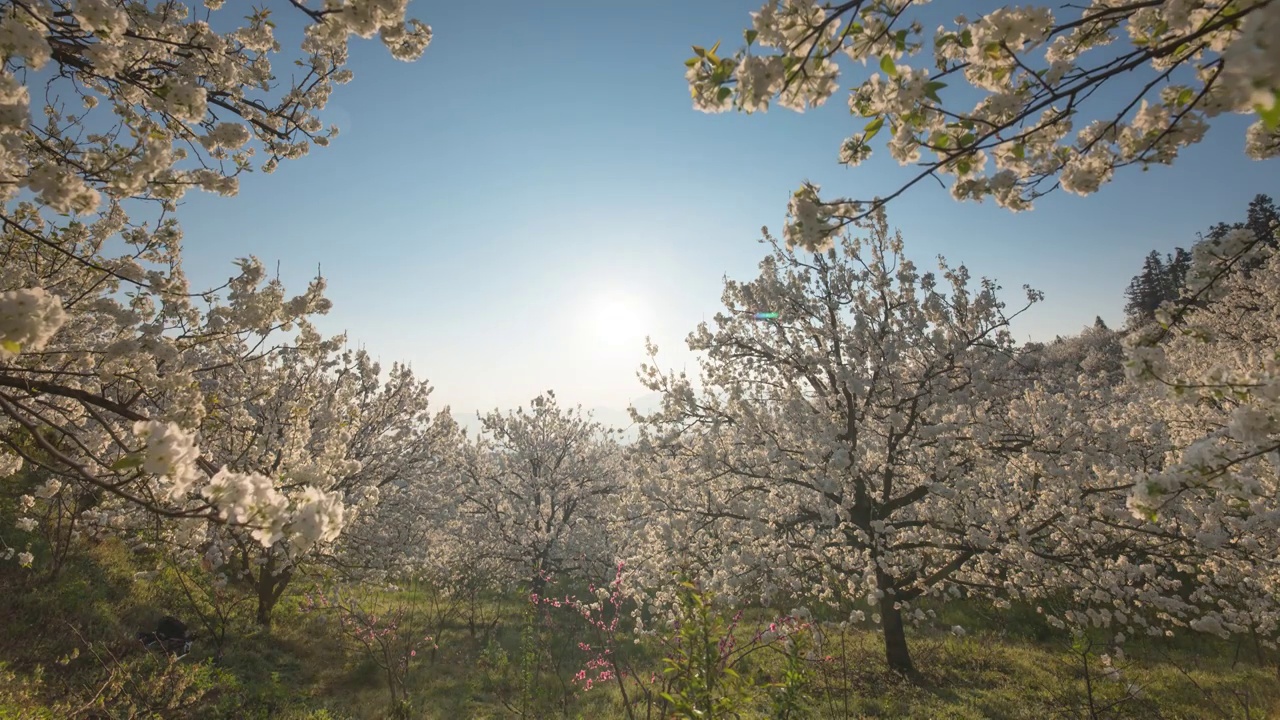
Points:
x=619, y=417
x=613, y=417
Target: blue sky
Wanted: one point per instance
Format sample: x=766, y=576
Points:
x=516, y=210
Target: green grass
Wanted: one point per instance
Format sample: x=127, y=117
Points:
x=68, y=644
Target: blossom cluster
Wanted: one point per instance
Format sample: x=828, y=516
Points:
x=1034, y=124
x=170, y=79
x=248, y=499
x=28, y=319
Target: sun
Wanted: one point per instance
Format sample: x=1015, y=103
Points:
x=617, y=320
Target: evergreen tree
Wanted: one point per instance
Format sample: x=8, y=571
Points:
x=1264, y=219
x=1147, y=290
x=1162, y=280
x=1175, y=273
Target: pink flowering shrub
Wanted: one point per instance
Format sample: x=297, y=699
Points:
x=705, y=664
x=388, y=634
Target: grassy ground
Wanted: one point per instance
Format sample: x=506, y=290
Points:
x=66, y=650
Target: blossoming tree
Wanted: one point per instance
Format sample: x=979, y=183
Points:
x=1037, y=74
x=1216, y=357
x=314, y=420
x=855, y=446
x=1064, y=100
x=535, y=490
x=108, y=409
x=880, y=440
x=103, y=345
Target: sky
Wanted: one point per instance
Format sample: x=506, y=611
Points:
x=518, y=209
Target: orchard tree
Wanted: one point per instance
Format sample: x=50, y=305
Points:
x=536, y=490
x=1041, y=121
x=857, y=445
x=1097, y=353
x=103, y=345
x=314, y=417
x=107, y=409
x=1038, y=74
x=1216, y=348
x=1176, y=513
x=1221, y=367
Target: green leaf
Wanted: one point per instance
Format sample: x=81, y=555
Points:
x=1020, y=151
x=750, y=35
x=1185, y=97
x=967, y=139
x=699, y=51
x=723, y=93
x=691, y=62
x=931, y=90
x=11, y=346
x=963, y=166
x=128, y=462
x=1270, y=116
x=872, y=128
x=886, y=64
x=966, y=39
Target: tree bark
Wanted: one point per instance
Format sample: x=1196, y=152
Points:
x=895, y=638
x=266, y=600
x=271, y=586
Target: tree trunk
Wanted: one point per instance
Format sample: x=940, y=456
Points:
x=895, y=638
x=266, y=599
x=538, y=582
x=271, y=586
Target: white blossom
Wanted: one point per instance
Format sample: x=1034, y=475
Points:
x=28, y=319
x=1023, y=62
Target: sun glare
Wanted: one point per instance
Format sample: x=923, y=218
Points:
x=617, y=320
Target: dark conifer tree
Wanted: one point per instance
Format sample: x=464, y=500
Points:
x=1175, y=273
x=1146, y=291
x=1264, y=219
x=1162, y=280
